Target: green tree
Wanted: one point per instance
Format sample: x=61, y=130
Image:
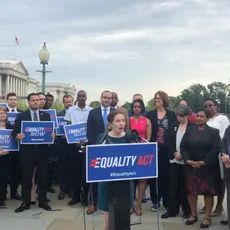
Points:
x=58, y=106
x=195, y=95
x=22, y=105
x=94, y=104
x=219, y=92
x=174, y=102
x=150, y=105
x=127, y=106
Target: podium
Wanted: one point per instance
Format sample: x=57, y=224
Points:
x=118, y=164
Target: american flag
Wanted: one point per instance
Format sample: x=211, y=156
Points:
x=16, y=40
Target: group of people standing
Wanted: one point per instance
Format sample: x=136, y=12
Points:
x=193, y=152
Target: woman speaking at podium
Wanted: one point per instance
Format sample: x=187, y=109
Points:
x=116, y=135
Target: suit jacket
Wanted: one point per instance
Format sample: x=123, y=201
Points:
x=26, y=116
x=95, y=124
x=224, y=149
x=61, y=113
x=172, y=139
x=203, y=145
x=7, y=109
x=172, y=121
x=8, y=126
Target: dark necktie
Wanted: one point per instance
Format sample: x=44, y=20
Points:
x=35, y=117
x=12, y=110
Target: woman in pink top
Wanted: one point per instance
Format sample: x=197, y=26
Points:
x=143, y=126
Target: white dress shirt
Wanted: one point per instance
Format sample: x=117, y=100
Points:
x=103, y=109
x=15, y=110
x=76, y=115
x=32, y=114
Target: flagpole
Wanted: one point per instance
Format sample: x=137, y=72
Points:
x=17, y=43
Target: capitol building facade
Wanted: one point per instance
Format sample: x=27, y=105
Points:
x=14, y=77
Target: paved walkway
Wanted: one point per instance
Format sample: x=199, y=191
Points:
x=72, y=218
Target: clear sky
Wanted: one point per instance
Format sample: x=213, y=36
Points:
x=127, y=46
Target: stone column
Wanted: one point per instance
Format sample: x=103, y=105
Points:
x=21, y=90
x=17, y=86
x=13, y=83
x=7, y=83
x=22, y=93
x=10, y=83
x=20, y=87
x=24, y=88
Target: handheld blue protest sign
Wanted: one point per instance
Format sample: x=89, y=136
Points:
x=5, y=105
x=12, y=117
x=7, y=142
x=75, y=133
x=61, y=123
x=37, y=132
x=53, y=116
x=121, y=162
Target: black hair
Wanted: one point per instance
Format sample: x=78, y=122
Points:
x=212, y=100
x=28, y=98
x=206, y=112
x=11, y=95
x=142, y=105
x=49, y=95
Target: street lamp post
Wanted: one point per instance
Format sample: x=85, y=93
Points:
x=44, y=56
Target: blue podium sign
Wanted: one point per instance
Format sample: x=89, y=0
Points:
x=7, y=142
x=121, y=162
x=5, y=105
x=75, y=133
x=61, y=123
x=37, y=132
x=53, y=116
x=12, y=117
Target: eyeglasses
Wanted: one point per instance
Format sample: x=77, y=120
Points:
x=209, y=105
x=157, y=98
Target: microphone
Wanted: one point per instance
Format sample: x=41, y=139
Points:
x=103, y=138
x=135, y=136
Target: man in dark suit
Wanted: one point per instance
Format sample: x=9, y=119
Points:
x=32, y=156
x=14, y=162
x=62, y=150
x=96, y=124
x=12, y=101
